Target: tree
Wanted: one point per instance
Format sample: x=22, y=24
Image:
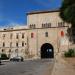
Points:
x=67, y=13
x=4, y=57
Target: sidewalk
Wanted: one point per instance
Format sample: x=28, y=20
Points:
x=5, y=60
x=61, y=67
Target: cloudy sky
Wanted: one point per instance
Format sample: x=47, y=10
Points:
x=13, y=12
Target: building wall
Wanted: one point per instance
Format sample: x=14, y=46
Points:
x=54, y=32
x=7, y=40
x=32, y=45
x=43, y=18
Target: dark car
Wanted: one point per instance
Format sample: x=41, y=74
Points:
x=0, y=62
x=18, y=58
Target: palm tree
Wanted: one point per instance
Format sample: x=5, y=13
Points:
x=67, y=14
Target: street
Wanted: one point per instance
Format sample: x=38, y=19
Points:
x=28, y=67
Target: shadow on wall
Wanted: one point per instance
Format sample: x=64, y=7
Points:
x=71, y=34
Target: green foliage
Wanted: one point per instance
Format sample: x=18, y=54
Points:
x=67, y=14
x=67, y=11
x=70, y=53
x=4, y=57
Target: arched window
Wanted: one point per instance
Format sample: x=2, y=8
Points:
x=46, y=34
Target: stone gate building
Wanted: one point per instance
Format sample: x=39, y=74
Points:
x=42, y=37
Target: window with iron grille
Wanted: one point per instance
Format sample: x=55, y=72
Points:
x=46, y=34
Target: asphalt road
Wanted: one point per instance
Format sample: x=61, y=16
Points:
x=28, y=67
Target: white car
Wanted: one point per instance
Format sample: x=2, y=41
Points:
x=17, y=58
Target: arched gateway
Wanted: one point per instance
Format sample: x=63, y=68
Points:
x=47, y=51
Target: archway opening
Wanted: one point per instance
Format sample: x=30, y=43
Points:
x=47, y=51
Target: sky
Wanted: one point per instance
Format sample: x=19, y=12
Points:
x=13, y=12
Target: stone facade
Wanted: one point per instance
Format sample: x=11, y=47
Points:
x=42, y=27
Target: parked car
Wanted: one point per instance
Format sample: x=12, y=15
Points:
x=18, y=58
x=0, y=62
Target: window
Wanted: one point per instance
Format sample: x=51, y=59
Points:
x=3, y=50
x=22, y=35
x=60, y=24
x=3, y=44
x=3, y=36
x=46, y=25
x=32, y=35
x=17, y=36
x=10, y=44
x=46, y=34
x=25, y=43
x=22, y=44
x=43, y=25
x=49, y=25
x=11, y=36
x=32, y=25
x=9, y=50
x=17, y=44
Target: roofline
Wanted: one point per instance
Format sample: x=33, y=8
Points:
x=39, y=12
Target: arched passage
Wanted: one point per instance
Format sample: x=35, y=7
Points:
x=47, y=51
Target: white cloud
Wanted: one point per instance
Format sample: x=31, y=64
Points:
x=12, y=24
